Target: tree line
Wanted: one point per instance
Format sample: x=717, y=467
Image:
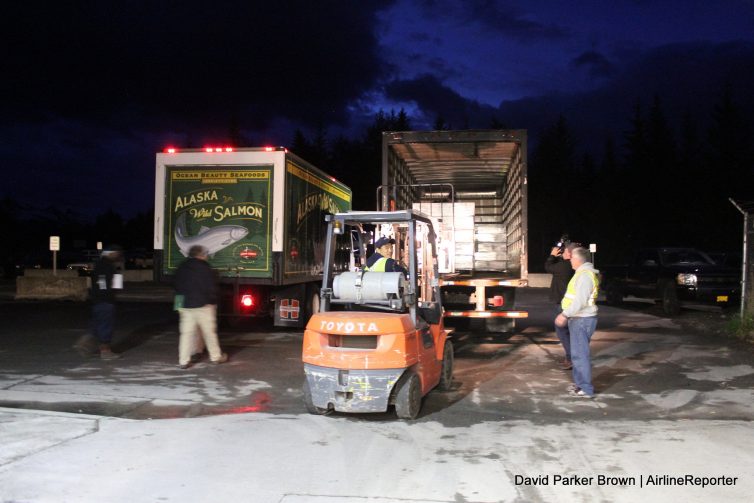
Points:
x=655, y=186
x=664, y=181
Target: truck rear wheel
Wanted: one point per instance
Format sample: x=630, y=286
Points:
x=310, y=407
x=670, y=304
x=312, y=301
x=408, y=397
x=446, y=377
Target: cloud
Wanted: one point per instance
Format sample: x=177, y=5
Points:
x=500, y=17
x=596, y=64
x=91, y=90
x=435, y=99
x=187, y=63
x=689, y=78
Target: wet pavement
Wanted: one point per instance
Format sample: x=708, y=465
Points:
x=645, y=367
x=671, y=399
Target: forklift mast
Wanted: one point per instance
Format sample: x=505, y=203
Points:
x=415, y=242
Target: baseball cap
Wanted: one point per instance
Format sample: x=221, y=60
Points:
x=383, y=241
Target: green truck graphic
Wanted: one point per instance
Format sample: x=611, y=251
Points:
x=226, y=211
x=261, y=215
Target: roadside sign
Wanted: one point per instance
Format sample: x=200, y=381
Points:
x=54, y=248
x=593, y=247
x=99, y=245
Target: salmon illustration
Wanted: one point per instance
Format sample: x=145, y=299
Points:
x=214, y=239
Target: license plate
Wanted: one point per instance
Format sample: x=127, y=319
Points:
x=722, y=298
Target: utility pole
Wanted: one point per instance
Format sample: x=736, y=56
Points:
x=747, y=285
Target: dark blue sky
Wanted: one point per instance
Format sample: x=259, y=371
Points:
x=91, y=90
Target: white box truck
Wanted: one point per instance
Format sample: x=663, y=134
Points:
x=473, y=183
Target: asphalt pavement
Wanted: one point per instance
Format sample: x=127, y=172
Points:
x=672, y=401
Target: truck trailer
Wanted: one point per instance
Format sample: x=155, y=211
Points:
x=260, y=212
x=473, y=184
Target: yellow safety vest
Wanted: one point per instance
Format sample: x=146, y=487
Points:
x=571, y=290
x=378, y=266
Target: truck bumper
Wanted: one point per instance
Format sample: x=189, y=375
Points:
x=351, y=390
x=719, y=296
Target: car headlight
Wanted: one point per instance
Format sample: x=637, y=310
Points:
x=686, y=279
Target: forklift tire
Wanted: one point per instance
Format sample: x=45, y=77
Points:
x=408, y=397
x=446, y=375
x=310, y=407
x=670, y=304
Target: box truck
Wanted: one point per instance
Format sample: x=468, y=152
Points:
x=473, y=184
x=260, y=212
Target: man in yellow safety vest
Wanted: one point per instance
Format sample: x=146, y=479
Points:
x=579, y=313
x=381, y=260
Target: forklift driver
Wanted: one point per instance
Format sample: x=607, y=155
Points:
x=381, y=261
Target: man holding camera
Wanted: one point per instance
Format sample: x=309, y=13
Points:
x=558, y=264
x=580, y=315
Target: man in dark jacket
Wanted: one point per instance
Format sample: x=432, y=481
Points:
x=105, y=280
x=196, y=287
x=558, y=264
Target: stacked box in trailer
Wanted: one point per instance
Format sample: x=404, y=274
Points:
x=474, y=184
x=260, y=213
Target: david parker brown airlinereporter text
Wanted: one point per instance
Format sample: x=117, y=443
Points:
x=643, y=480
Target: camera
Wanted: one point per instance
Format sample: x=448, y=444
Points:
x=563, y=242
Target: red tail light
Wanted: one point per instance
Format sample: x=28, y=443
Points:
x=247, y=300
x=498, y=301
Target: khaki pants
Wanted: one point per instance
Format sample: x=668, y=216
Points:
x=205, y=319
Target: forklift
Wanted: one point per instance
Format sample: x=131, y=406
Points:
x=378, y=339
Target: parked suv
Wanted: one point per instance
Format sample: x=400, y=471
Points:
x=674, y=276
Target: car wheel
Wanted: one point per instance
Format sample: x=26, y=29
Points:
x=310, y=407
x=446, y=377
x=670, y=303
x=613, y=295
x=408, y=397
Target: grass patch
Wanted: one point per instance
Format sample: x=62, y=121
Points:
x=742, y=328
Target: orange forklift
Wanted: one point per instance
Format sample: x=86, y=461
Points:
x=378, y=339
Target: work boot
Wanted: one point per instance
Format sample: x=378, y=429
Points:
x=86, y=346
x=106, y=353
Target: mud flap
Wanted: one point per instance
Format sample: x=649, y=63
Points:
x=290, y=306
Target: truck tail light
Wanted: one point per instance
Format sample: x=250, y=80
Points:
x=498, y=301
x=247, y=300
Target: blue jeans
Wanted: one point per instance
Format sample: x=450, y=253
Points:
x=103, y=314
x=582, y=330
x=564, y=335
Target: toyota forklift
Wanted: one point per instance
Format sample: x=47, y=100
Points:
x=378, y=339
